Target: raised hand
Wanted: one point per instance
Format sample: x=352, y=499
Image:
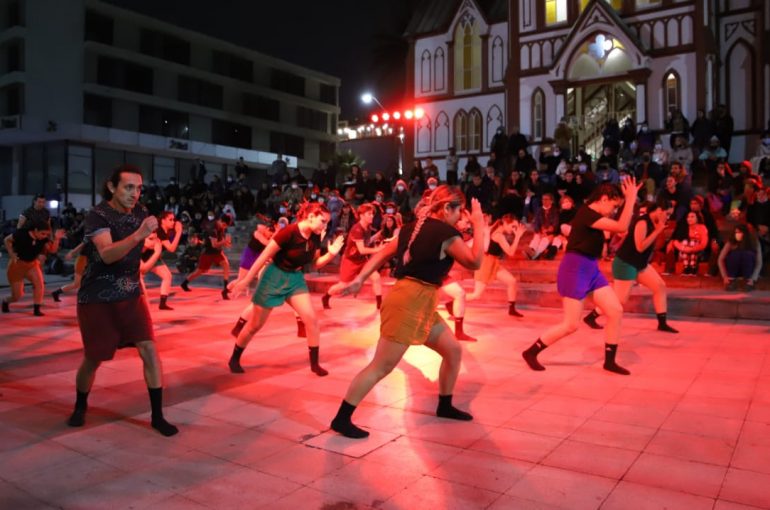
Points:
x=630, y=187
x=477, y=215
x=336, y=245
x=148, y=226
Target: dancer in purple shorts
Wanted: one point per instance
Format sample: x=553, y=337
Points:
x=579, y=273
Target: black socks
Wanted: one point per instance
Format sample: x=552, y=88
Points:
x=56, y=295
x=235, y=360
x=158, y=422
x=445, y=409
x=225, y=292
x=512, y=309
x=459, y=333
x=609, y=360
x=238, y=327
x=78, y=416
x=530, y=355
x=342, y=424
x=590, y=319
x=314, y=366
x=185, y=285
x=663, y=325
x=163, y=305
x=378, y=299
x=36, y=310
x=325, y=301
x=301, y=332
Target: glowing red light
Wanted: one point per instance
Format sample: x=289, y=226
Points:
x=419, y=113
x=386, y=116
x=396, y=115
x=375, y=118
x=408, y=115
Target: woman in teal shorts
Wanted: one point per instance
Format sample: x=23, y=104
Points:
x=631, y=262
x=283, y=281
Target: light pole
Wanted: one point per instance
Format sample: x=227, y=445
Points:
x=368, y=97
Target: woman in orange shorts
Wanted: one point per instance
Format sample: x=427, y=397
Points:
x=425, y=250
x=24, y=247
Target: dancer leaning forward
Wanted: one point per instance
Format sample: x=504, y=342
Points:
x=290, y=249
x=631, y=263
x=579, y=273
x=425, y=251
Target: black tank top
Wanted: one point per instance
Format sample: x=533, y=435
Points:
x=256, y=245
x=628, y=252
x=495, y=249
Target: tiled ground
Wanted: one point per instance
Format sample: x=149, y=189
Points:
x=690, y=428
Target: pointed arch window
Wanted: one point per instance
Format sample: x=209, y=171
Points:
x=474, y=130
x=671, y=93
x=438, y=69
x=467, y=75
x=461, y=131
x=498, y=59
x=425, y=69
x=538, y=114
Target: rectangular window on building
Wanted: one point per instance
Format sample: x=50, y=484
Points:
x=261, y=107
x=170, y=123
x=282, y=143
x=113, y=72
x=98, y=27
x=14, y=14
x=312, y=119
x=555, y=11
x=13, y=100
x=287, y=82
x=203, y=93
x=14, y=56
x=229, y=133
x=97, y=110
x=328, y=94
x=165, y=46
x=232, y=66
x=645, y=4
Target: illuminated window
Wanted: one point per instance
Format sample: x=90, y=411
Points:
x=467, y=54
x=671, y=92
x=538, y=114
x=555, y=11
x=644, y=4
x=461, y=131
x=474, y=130
x=618, y=4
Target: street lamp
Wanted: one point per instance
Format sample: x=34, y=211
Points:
x=368, y=97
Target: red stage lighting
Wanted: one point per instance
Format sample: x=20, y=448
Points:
x=419, y=113
x=386, y=116
x=408, y=115
x=375, y=118
x=396, y=115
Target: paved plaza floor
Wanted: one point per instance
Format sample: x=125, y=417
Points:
x=689, y=429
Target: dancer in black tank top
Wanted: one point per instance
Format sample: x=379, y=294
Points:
x=631, y=263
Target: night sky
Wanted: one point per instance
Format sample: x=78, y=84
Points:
x=357, y=41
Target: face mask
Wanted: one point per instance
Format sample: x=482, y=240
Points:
x=582, y=168
x=580, y=158
x=309, y=184
x=313, y=196
x=432, y=186
x=644, y=129
x=282, y=210
x=762, y=200
x=211, y=218
x=766, y=141
x=379, y=199
x=400, y=188
x=556, y=153
x=294, y=186
x=389, y=211
x=321, y=200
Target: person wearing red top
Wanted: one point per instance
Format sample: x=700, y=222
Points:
x=356, y=252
